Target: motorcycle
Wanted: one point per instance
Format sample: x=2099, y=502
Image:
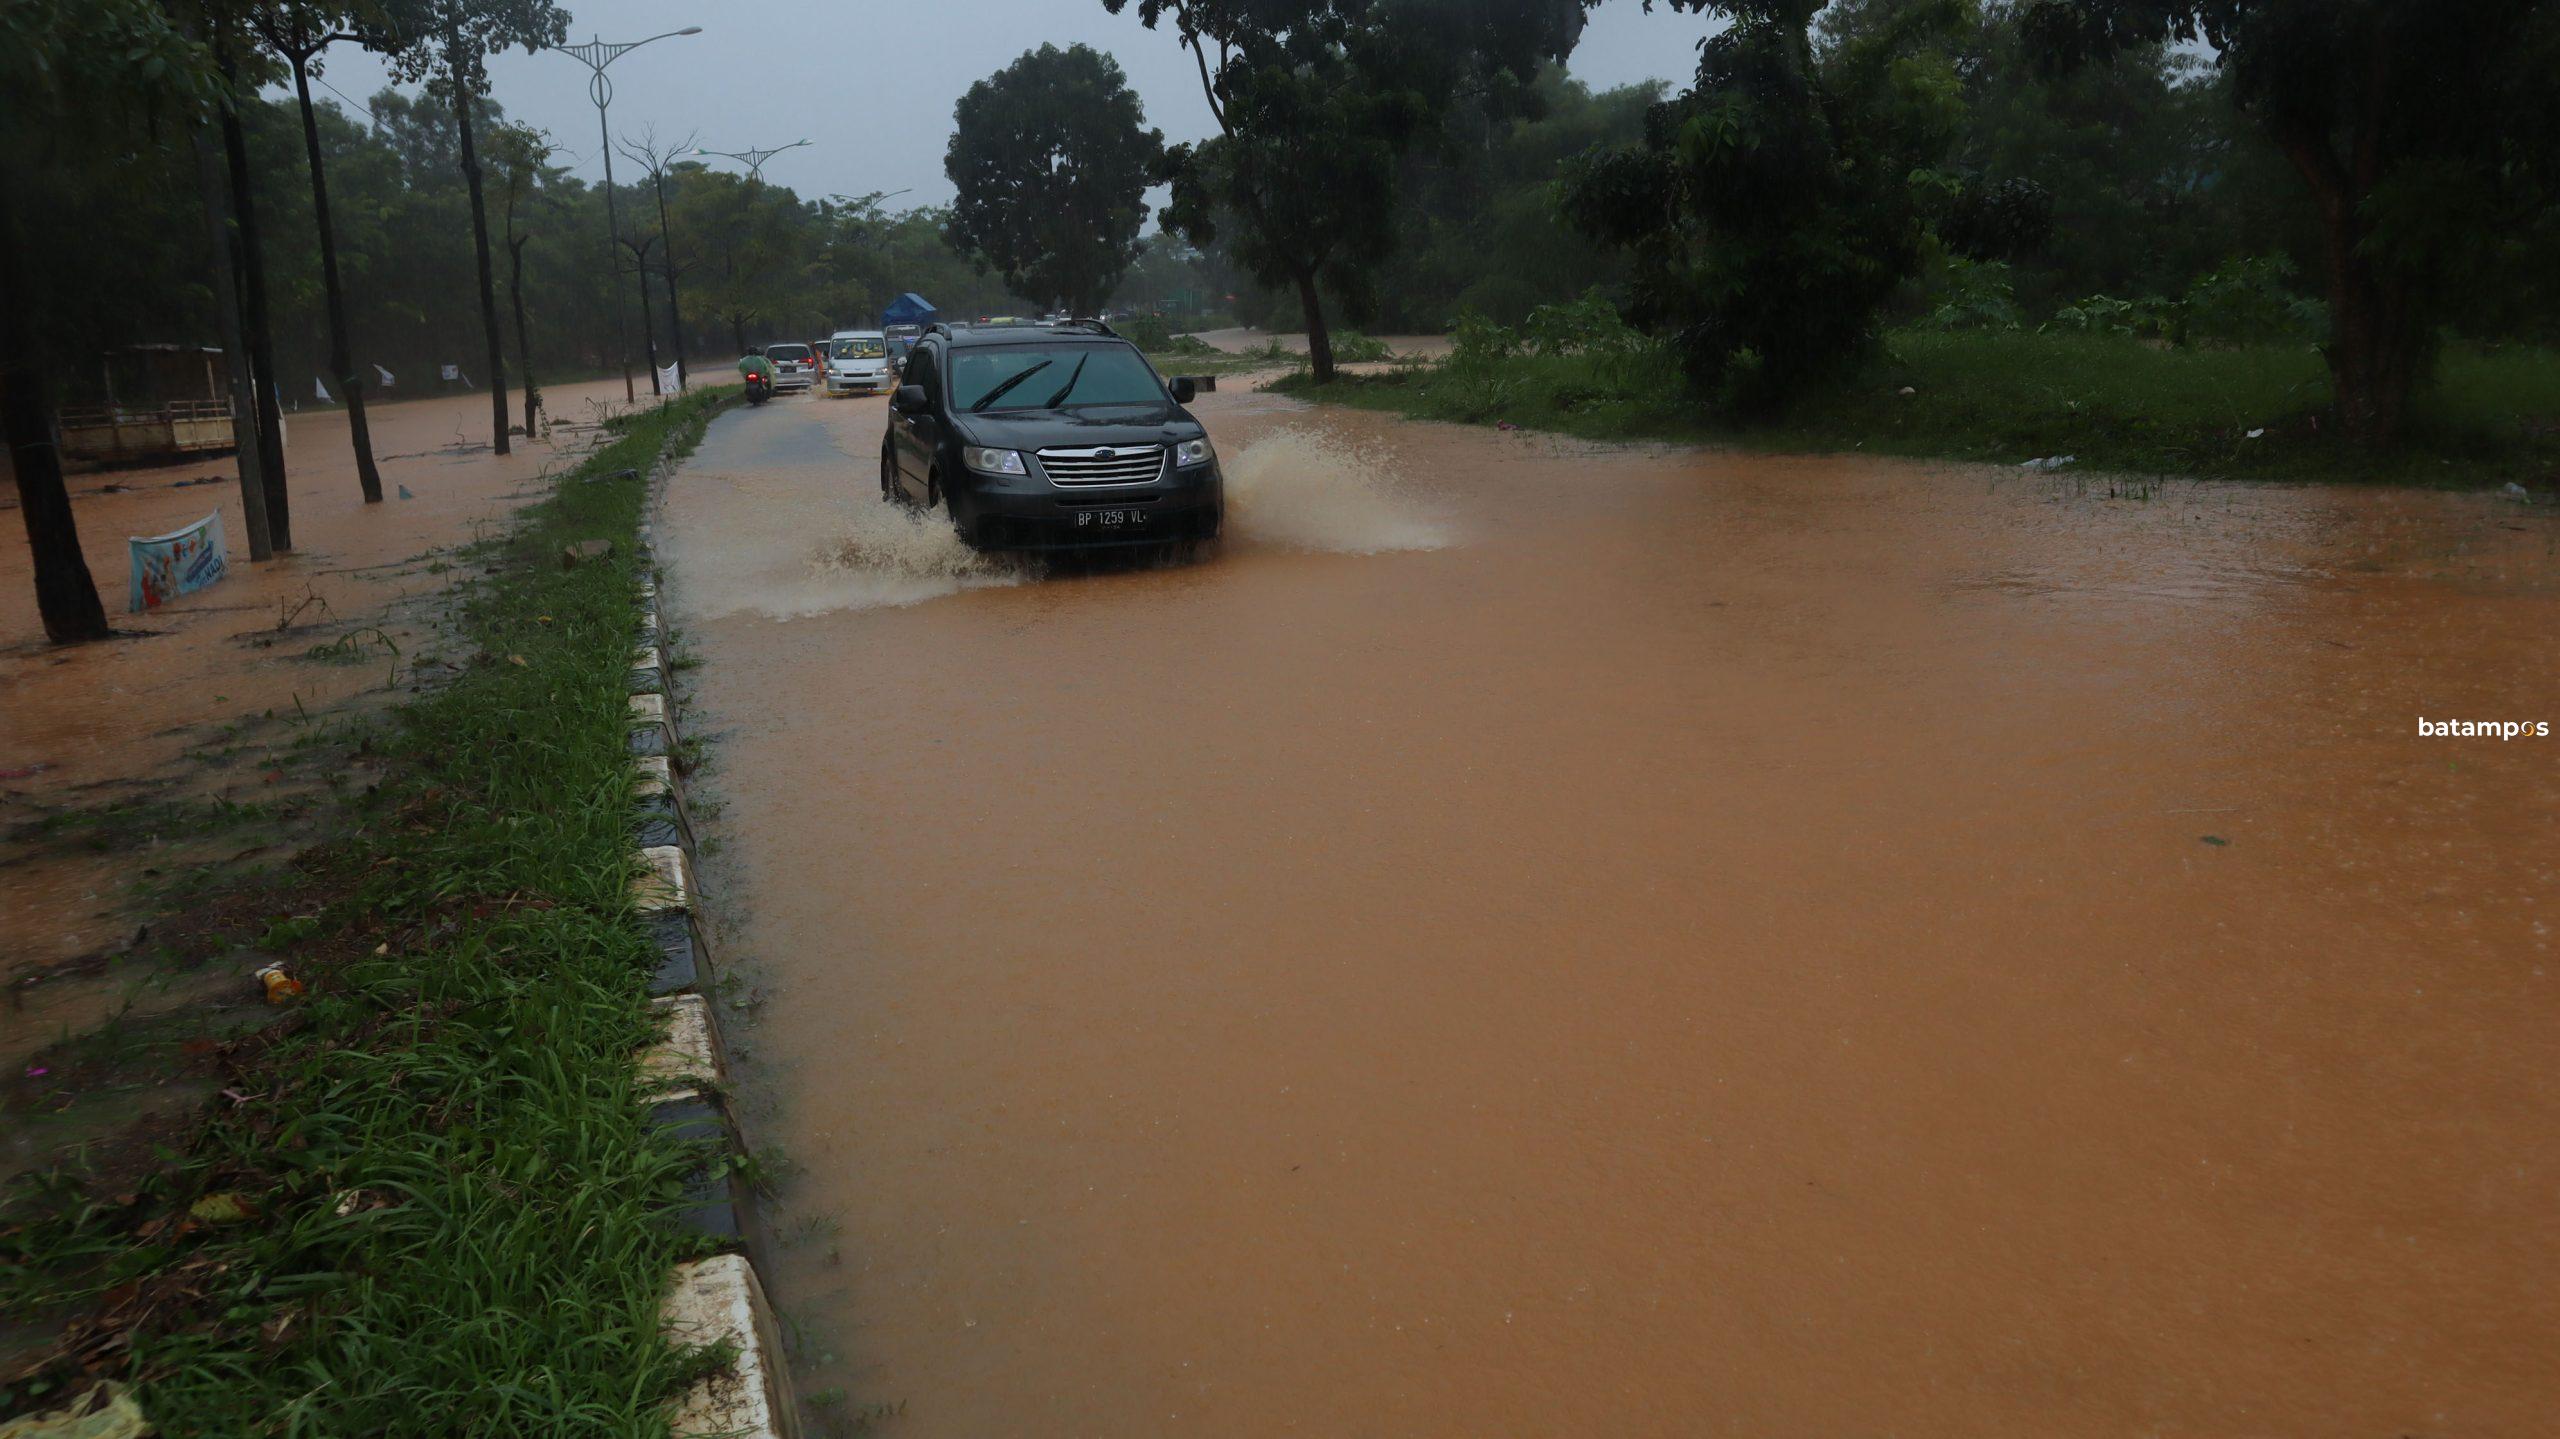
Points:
x=758, y=391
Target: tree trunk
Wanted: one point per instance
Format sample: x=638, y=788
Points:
x=1319, y=339
x=341, y=360
x=675, y=325
x=480, y=248
x=524, y=337
x=648, y=317
x=2378, y=342
x=667, y=260
x=66, y=597
x=255, y=321
x=2375, y=351
x=223, y=255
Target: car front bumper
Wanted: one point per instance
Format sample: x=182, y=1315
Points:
x=1028, y=513
x=849, y=384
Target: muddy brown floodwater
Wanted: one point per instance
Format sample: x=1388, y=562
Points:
x=1545, y=939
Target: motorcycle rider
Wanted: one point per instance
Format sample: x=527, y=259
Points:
x=756, y=367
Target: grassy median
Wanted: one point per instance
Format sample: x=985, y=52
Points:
x=2248, y=412
x=429, y=1201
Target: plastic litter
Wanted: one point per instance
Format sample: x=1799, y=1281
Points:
x=107, y=1411
x=2050, y=463
x=223, y=1208
x=281, y=986
x=2517, y=493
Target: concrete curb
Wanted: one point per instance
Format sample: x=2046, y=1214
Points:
x=716, y=1301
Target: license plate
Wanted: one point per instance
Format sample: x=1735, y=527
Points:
x=1109, y=519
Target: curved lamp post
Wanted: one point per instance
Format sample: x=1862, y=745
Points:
x=753, y=159
x=595, y=55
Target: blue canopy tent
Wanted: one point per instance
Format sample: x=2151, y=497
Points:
x=909, y=309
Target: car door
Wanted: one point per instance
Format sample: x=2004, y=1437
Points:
x=912, y=432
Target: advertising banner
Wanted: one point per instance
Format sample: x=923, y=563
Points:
x=180, y=562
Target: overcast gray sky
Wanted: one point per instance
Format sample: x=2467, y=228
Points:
x=871, y=82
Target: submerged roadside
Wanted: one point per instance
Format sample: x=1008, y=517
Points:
x=433, y=1199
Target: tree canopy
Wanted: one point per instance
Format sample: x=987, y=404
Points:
x=1769, y=210
x=1316, y=103
x=1051, y=157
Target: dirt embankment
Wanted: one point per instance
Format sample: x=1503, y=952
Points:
x=137, y=773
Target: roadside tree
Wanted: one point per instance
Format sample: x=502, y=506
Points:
x=64, y=66
x=298, y=31
x=2426, y=132
x=1051, y=157
x=1769, y=210
x=521, y=155
x=451, y=41
x=1316, y=102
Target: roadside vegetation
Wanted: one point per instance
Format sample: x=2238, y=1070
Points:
x=428, y=1200
x=2104, y=399
x=2238, y=239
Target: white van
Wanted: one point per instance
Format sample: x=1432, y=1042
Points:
x=857, y=362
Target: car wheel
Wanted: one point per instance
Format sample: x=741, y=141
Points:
x=889, y=491
x=934, y=495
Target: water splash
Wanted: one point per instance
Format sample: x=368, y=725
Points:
x=873, y=556
x=1311, y=489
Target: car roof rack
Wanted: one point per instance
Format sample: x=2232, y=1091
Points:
x=952, y=329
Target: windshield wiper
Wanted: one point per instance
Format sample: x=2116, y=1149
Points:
x=1069, y=387
x=1000, y=391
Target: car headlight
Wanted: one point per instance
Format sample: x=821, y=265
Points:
x=1192, y=452
x=992, y=462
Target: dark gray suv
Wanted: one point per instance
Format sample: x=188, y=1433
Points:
x=1059, y=436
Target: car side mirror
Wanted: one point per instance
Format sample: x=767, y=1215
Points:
x=1182, y=390
x=908, y=397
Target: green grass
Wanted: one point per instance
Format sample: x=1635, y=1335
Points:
x=2003, y=399
x=455, y=1203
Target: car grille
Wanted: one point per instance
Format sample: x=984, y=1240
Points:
x=1104, y=465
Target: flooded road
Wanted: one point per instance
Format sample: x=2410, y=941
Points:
x=1542, y=939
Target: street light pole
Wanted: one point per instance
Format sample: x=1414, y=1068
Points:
x=753, y=159
x=595, y=55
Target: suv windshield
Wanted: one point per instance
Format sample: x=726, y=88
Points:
x=786, y=352
x=1051, y=377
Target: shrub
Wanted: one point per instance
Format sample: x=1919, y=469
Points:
x=1350, y=347
x=2149, y=318
x=2254, y=301
x=1476, y=341
x=1975, y=295
x=1588, y=326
